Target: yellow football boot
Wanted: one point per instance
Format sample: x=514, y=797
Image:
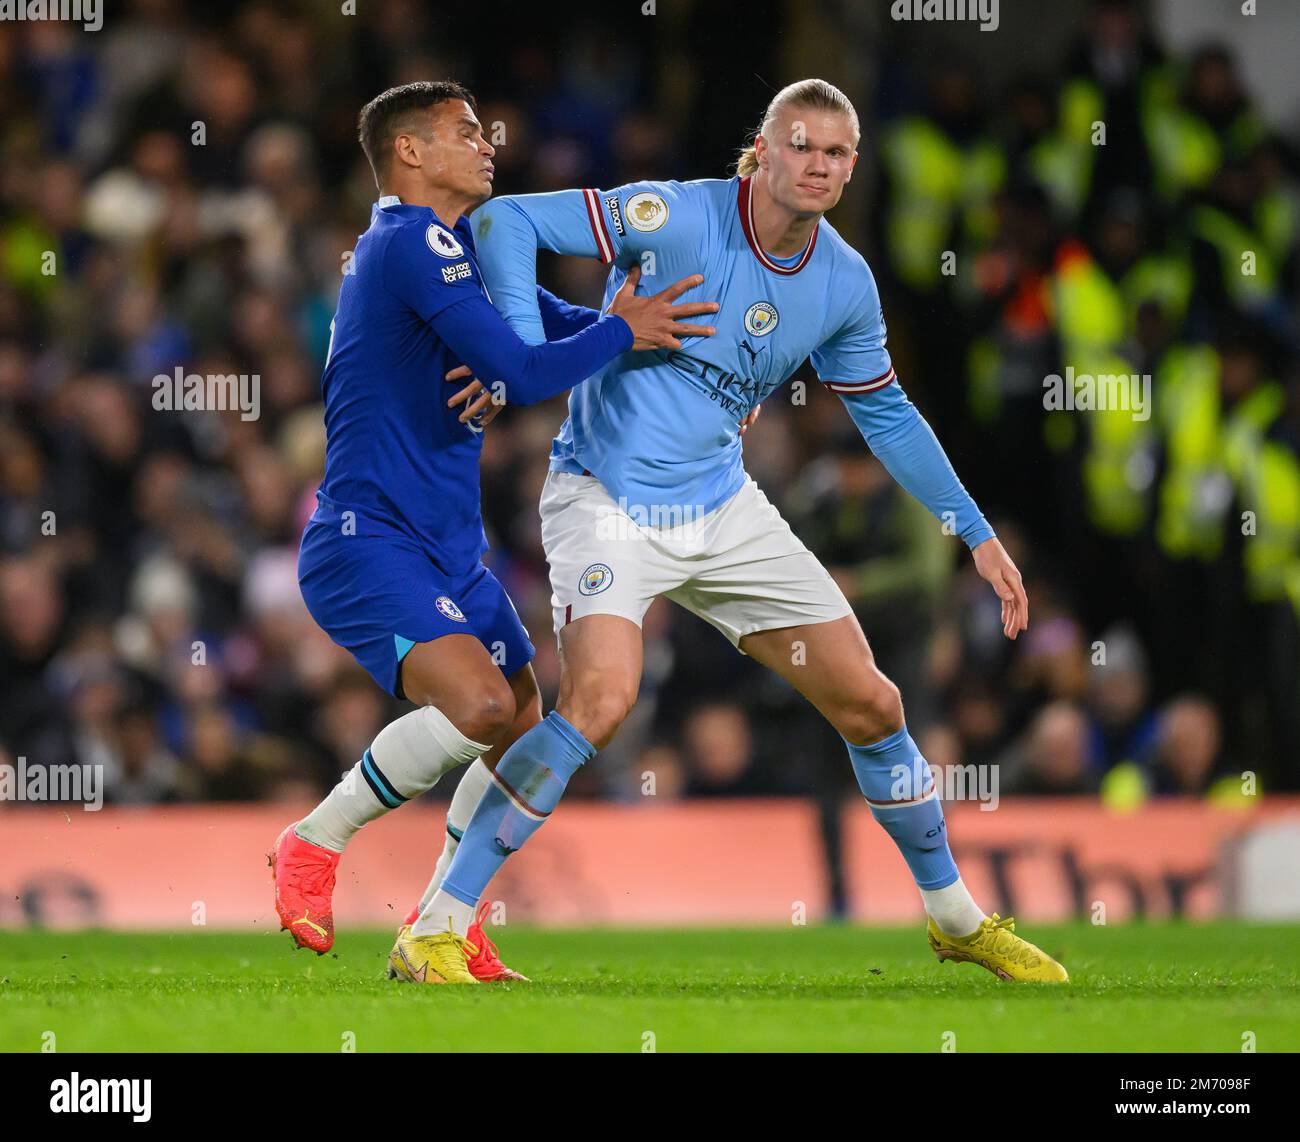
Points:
x=995, y=945
x=441, y=958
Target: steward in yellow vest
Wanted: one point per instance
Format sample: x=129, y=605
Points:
x=1215, y=410
x=941, y=173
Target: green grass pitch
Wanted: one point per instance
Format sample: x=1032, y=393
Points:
x=1159, y=987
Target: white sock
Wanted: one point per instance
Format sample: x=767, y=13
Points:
x=463, y=803
x=443, y=909
x=406, y=758
x=953, y=908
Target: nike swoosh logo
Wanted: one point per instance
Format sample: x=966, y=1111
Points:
x=418, y=976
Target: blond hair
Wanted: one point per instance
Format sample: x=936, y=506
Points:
x=813, y=94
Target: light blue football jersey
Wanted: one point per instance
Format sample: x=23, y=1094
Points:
x=660, y=428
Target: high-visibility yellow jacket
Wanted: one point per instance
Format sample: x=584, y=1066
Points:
x=1207, y=452
x=1245, y=257
x=1269, y=482
x=1092, y=318
x=935, y=183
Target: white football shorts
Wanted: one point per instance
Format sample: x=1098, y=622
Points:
x=739, y=567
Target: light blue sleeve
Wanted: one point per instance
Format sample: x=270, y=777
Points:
x=855, y=364
x=855, y=358
x=618, y=225
x=902, y=440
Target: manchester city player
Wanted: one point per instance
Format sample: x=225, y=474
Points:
x=390, y=563
x=647, y=495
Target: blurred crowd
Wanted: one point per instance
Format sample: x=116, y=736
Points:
x=182, y=189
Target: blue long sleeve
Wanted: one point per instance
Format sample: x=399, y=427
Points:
x=478, y=336
x=561, y=319
x=900, y=437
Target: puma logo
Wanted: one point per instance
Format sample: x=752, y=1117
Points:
x=306, y=919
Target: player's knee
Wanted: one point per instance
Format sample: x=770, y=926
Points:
x=596, y=712
x=482, y=710
x=875, y=714
x=486, y=717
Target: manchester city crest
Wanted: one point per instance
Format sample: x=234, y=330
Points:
x=595, y=579
x=761, y=318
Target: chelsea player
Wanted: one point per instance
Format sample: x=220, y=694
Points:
x=390, y=564
x=652, y=444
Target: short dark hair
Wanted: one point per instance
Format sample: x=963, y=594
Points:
x=388, y=115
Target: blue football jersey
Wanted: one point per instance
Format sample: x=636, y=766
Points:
x=661, y=427
x=395, y=453
x=412, y=307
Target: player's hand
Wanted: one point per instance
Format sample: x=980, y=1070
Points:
x=655, y=320
x=753, y=416
x=994, y=565
x=482, y=403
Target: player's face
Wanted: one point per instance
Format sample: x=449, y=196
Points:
x=459, y=157
x=808, y=158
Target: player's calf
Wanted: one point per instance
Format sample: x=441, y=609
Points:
x=900, y=790
x=476, y=777
x=601, y=677
x=526, y=787
x=407, y=757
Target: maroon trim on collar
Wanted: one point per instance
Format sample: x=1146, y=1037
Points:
x=745, y=207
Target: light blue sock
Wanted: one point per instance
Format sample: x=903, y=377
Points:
x=527, y=785
x=898, y=785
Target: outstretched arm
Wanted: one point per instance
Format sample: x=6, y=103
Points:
x=899, y=435
x=527, y=374
x=906, y=445
x=618, y=225
x=444, y=292
x=655, y=322
x=424, y=267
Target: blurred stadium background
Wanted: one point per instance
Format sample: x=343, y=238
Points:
x=181, y=188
